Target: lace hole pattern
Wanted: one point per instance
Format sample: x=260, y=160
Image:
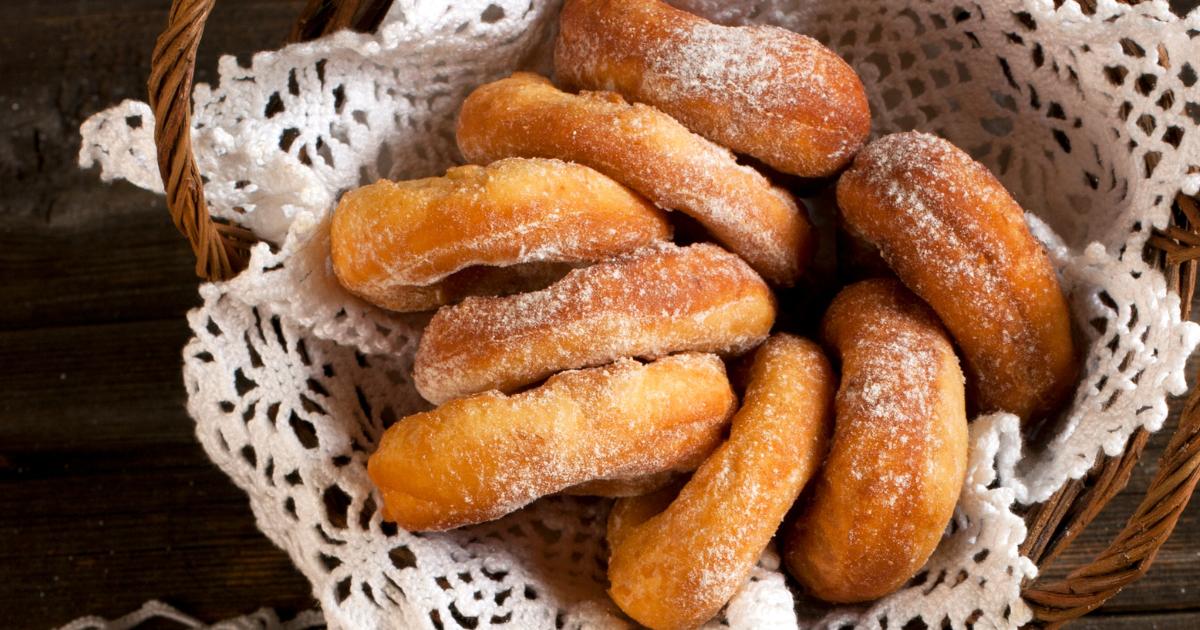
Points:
x=1091, y=116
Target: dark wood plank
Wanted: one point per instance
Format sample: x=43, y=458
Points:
x=1148, y=621
x=128, y=266
x=73, y=251
x=94, y=388
x=105, y=498
x=101, y=534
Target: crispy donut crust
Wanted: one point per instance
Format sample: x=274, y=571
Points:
x=954, y=235
x=479, y=458
x=648, y=304
x=395, y=243
x=764, y=91
x=899, y=453
x=675, y=568
x=647, y=150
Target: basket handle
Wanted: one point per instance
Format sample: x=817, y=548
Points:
x=221, y=249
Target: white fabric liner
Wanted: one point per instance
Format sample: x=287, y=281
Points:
x=1092, y=121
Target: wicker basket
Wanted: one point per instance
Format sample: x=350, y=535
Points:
x=222, y=249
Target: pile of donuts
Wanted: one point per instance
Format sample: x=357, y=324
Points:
x=577, y=349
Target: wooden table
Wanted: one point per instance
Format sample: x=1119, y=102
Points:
x=106, y=499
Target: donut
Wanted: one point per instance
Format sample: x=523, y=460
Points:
x=898, y=458
x=764, y=91
x=627, y=514
x=953, y=234
x=395, y=243
x=648, y=304
x=647, y=150
x=479, y=458
x=676, y=567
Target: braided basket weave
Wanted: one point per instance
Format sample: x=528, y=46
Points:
x=222, y=250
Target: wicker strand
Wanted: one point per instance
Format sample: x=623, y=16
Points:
x=1131, y=553
x=221, y=249
x=321, y=17
x=1056, y=523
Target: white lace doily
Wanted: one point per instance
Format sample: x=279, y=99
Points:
x=1093, y=121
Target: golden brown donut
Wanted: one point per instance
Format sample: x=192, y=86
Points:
x=677, y=568
x=764, y=91
x=952, y=233
x=647, y=304
x=479, y=458
x=647, y=150
x=394, y=243
x=628, y=514
x=899, y=453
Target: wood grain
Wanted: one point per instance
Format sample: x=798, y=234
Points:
x=103, y=533
x=1102, y=620
x=84, y=251
x=89, y=389
x=105, y=498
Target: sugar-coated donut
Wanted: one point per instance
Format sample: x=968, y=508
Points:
x=954, y=235
x=764, y=91
x=648, y=304
x=676, y=568
x=395, y=243
x=627, y=515
x=647, y=150
x=479, y=458
x=899, y=453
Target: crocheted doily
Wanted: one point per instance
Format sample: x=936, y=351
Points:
x=1092, y=120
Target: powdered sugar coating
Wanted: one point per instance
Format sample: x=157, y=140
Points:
x=649, y=304
x=647, y=150
x=675, y=568
x=393, y=243
x=768, y=92
x=952, y=233
x=899, y=451
x=478, y=458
